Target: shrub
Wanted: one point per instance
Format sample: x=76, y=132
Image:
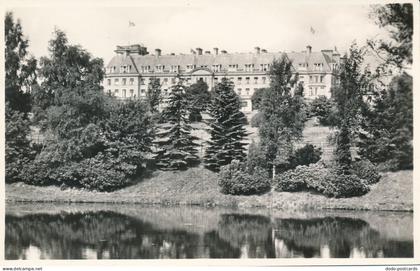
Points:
x=257, y=119
x=306, y=155
x=317, y=177
x=343, y=186
x=290, y=181
x=364, y=169
x=235, y=179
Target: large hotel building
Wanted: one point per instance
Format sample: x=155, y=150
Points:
x=131, y=69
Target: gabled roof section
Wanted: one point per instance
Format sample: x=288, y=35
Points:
x=122, y=60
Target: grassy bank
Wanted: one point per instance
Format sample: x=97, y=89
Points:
x=198, y=186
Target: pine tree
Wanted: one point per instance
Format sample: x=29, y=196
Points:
x=387, y=127
x=176, y=149
x=226, y=128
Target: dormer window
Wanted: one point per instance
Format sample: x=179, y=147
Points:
x=160, y=68
x=233, y=67
x=217, y=68
x=265, y=67
x=145, y=69
x=249, y=67
x=123, y=69
x=175, y=68
x=190, y=67
x=318, y=66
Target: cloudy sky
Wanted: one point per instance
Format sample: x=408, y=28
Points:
x=179, y=25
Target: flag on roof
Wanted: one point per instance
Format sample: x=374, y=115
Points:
x=312, y=30
x=130, y=23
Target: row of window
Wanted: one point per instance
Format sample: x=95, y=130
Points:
x=247, y=80
x=190, y=67
x=316, y=66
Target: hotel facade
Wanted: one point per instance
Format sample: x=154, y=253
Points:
x=130, y=71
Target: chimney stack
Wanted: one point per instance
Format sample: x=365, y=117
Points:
x=263, y=50
x=199, y=51
x=223, y=52
x=308, y=49
x=207, y=52
x=216, y=50
x=257, y=50
x=158, y=52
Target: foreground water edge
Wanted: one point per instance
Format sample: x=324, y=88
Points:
x=128, y=231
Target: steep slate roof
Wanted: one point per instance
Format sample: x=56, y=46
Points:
x=222, y=59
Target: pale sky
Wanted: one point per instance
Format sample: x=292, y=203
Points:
x=177, y=26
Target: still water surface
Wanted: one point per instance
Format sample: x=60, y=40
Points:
x=80, y=231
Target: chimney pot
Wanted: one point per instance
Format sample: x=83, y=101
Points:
x=199, y=51
x=158, y=52
x=223, y=52
x=216, y=50
x=257, y=50
x=263, y=50
x=309, y=49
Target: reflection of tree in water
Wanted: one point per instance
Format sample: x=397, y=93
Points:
x=116, y=236
x=342, y=237
x=67, y=236
x=249, y=233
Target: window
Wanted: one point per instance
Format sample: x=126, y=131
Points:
x=265, y=67
x=109, y=82
x=160, y=68
x=233, y=67
x=318, y=66
x=321, y=79
x=131, y=92
x=124, y=81
x=190, y=67
x=116, y=92
x=124, y=93
x=217, y=68
x=244, y=103
x=239, y=91
x=173, y=81
x=109, y=92
x=114, y=68
x=175, y=68
x=249, y=67
x=142, y=81
x=310, y=79
x=247, y=80
x=239, y=80
x=145, y=69
x=116, y=81
x=131, y=81
x=165, y=80
x=263, y=80
x=247, y=91
x=142, y=91
x=255, y=80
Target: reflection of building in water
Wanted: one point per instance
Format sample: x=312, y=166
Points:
x=130, y=71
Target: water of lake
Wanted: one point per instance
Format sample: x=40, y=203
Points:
x=94, y=231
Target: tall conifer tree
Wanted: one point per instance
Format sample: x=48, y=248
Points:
x=226, y=128
x=176, y=149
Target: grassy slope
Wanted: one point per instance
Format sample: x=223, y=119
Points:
x=199, y=186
